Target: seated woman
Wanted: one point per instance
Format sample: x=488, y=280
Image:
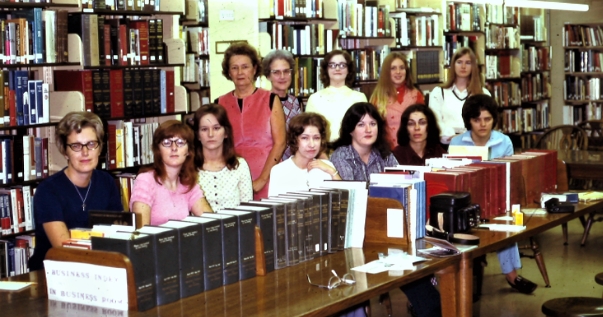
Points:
x=307, y=139
x=169, y=189
x=223, y=176
x=418, y=136
x=480, y=114
x=62, y=201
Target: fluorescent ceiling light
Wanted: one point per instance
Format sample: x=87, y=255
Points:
x=496, y=2
x=547, y=5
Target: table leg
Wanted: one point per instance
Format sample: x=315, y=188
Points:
x=540, y=261
x=465, y=286
x=449, y=291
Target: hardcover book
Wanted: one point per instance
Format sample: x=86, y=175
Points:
x=230, y=246
x=265, y=220
x=279, y=237
x=212, y=250
x=246, y=241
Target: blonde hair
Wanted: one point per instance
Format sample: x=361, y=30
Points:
x=475, y=86
x=385, y=88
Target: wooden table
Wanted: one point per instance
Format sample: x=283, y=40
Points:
x=284, y=292
x=491, y=241
x=583, y=164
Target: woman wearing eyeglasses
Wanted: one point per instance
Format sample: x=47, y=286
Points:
x=62, y=201
x=394, y=93
x=337, y=74
x=169, y=189
x=278, y=66
x=256, y=115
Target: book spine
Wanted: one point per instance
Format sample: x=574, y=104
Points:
x=167, y=270
x=191, y=264
x=247, y=261
x=212, y=255
x=117, y=92
x=291, y=234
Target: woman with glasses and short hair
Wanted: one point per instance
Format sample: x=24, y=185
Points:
x=62, y=201
x=337, y=74
x=278, y=66
x=256, y=115
x=169, y=189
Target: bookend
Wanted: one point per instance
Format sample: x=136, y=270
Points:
x=110, y=259
x=375, y=228
x=260, y=260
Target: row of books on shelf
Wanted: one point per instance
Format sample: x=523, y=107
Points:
x=306, y=80
x=368, y=62
x=425, y=66
x=300, y=39
x=582, y=35
x=503, y=65
x=14, y=254
x=502, y=37
x=463, y=17
x=296, y=9
x=505, y=93
x=412, y=30
x=196, y=70
x=574, y=114
x=136, y=5
x=452, y=42
x=535, y=87
x=117, y=93
x=368, y=19
x=583, y=61
x=23, y=158
x=16, y=207
x=536, y=58
x=522, y=120
x=23, y=100
x=196, y=39
x=533, y=28
x=33, y=36
x=113, y=41
x=129, y=143
x=581, y=89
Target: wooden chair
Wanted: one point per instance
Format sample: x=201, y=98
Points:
x=594, y=130
x=564, y=137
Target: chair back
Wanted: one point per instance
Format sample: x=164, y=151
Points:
x=564, y=137
x=594, y=130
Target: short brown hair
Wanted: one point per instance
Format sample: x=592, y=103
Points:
x=171, y=128
x=324, y=68
x=241, y=48
x=298, y=124
x=75, y=122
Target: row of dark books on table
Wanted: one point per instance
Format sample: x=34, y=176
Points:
x=182, y=258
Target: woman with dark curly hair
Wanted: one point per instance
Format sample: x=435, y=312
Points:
x=418, y=136
x=256, y=115
x=337, y=74
x=168, y=189
x=361, y=148
x=303, y=170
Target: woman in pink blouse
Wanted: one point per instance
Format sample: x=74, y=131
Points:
x=169, y=189
x=394, y=93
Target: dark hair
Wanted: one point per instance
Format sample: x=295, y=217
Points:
x=473, y=106
x=228, y=149
x=324, y=68
x=298, y=124
x=276, y=55
x=433, y=130
x=75, y=122
x=241, y=48
x=351, y=118
x=171, y=128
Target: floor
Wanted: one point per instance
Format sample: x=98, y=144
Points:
x=571, y=271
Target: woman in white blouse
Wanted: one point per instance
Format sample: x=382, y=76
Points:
x=224, y=177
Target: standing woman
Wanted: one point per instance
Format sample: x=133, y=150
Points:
x=62, y=201
x=337, y=74
x=223, y=176
x=394, y=93
x=258, y=121
x=169, y=189
x=278, y=66
x=447, y=101
x=418, y=136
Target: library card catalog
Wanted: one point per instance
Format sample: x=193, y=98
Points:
x=395, y=223
x=87, y=284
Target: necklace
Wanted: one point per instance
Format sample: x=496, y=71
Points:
x=457, y=97
x=85, y=197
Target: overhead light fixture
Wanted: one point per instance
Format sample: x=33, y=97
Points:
x=547, y=5
x=495, y=2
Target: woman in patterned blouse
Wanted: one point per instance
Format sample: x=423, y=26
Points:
x=278, y=68
x=223, y=176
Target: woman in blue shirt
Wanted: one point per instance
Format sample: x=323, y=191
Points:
x=480, y=114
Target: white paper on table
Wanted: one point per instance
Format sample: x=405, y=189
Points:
x=395, y=223
x=504, y=218
x=13, y=286
x=503, y=227
x=534, y=211
x=395, y=262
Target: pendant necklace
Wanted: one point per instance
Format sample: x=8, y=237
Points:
x=85, y=197
x=457, y=97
